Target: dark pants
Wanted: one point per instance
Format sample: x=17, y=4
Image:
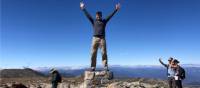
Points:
x=54, y=85
x=171, y=82
x=178, y=84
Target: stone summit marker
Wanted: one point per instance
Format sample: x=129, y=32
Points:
x=93, y=79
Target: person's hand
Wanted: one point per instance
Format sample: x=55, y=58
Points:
x=82, y=5
x=117, y=6
x=160, y=59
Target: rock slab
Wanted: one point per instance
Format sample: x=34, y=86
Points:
x=94, y=79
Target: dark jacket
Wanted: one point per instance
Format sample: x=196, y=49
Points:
x=99, y=25
x=55, y=77
x=180, y=72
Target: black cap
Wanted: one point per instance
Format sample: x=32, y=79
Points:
x=99, y=12
x=176, y=61
x=170, y=59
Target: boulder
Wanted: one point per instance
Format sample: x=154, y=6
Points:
x=96, y=79
x=89, y=75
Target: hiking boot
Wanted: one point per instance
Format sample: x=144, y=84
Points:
x=92, y=69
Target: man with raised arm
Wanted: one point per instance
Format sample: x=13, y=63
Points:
x=98, y=41
x=170, y=72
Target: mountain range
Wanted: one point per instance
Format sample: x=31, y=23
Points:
x=140, y=71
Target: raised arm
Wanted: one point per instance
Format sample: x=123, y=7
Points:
x=82, y=6
x=163, y=63
x=117, y=7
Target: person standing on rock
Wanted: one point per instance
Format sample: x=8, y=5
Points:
x=98, y=41
x=55, y=78
x=170, y=72
x=179, y=74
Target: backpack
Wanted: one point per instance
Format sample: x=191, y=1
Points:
x=182, y=73
x=59, y=78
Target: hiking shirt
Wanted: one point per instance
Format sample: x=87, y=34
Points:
x=170, y=71
x=99, y=25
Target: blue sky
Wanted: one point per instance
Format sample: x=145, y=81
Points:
x=37, y=33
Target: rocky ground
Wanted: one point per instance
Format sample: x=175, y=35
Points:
x=78, y=83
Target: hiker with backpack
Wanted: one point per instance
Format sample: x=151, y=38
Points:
x=179, y=74
x=98, y=40
x=170, y=72
x=55, y=78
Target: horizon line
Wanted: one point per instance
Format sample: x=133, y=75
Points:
x=87, y=66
